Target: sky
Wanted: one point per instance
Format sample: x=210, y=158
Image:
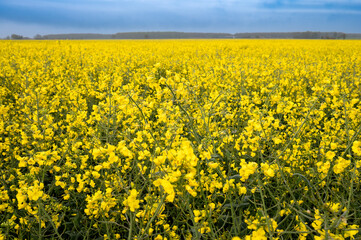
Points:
x=31, y=17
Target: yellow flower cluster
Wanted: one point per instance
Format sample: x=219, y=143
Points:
x=180, y=139
x=132, y=202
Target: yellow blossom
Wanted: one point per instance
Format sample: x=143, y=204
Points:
x=132, y=202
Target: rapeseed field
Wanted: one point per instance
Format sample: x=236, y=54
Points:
x=180, y=139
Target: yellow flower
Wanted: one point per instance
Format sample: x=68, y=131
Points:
x=97, y=152
x=132, y=202
x=35, y=192
x=259, y=234
x=95, y=174
x=66, y=197
x=356, y=148
x=351, y=231
x=334, y=207
x=247, y=169
x=323, y=167
x=317, y=223
x=158, y=237
x=341, y=165
x=330, y=155
x=21, y=199
x=98, y=168
x=213, y=165
x=267, y=170
x=277, y=140
x=197, y=215
x=168, y=188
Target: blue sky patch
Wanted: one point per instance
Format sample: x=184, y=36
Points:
x=30, y=17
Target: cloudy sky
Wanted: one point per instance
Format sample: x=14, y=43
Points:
x=30, y=17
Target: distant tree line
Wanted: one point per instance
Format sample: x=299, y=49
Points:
x=16, y=37
x=195, y=35
x=136, y=35
x=295, y=35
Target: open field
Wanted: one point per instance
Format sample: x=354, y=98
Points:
x=180, y=139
